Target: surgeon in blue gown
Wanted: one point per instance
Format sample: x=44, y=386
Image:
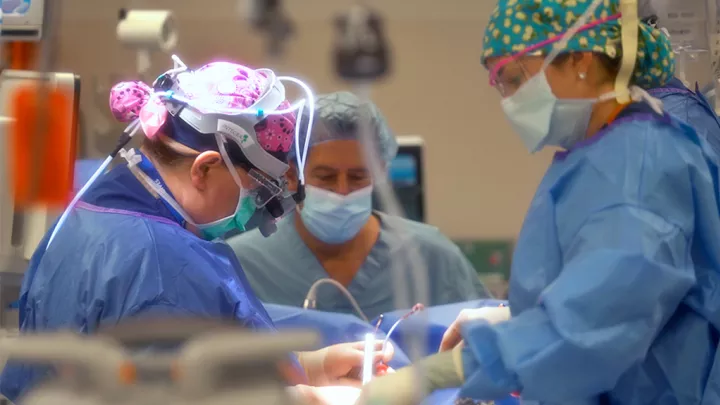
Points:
x=615, y=283
x=337, y=235
x=127, y=251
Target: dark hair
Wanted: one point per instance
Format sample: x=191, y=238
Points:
x=611, y=66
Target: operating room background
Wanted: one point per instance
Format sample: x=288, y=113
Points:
x=479, y=177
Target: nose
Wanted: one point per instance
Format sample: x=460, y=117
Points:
x=342, y=186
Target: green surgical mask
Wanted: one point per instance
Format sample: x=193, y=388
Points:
x=244, y=210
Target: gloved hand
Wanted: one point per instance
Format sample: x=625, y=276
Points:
x=339, y=364
x=408, y=387
x=492, y=315
x=325, y=395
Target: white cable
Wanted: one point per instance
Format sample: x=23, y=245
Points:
x=77, y=197
x=390, y=332
x=310, y=102
x=132, y=129
x=299, y=158
x=311, y=297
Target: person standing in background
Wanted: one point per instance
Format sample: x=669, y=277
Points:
x=336, y=234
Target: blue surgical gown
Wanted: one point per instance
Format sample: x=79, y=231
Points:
x=282, y=268
x=691, y=108
x=615, y=283
x=120, y=254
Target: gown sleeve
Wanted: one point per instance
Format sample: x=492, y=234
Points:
x=626, y=271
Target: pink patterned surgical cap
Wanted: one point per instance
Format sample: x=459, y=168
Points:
x=218, y=85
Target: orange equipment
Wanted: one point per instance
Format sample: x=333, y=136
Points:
x=42, y=138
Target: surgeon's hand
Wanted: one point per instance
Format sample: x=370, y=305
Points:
x=339, y=364
x=325, y=395
x=407, y=386
x=492, y=315
x=306, y=394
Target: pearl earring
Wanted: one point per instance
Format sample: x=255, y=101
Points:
x=582, y=75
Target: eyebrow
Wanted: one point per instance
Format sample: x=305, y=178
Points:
x=323, y=169
x=353, y=170
x=359, y=170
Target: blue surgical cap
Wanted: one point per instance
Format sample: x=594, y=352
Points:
x=337, y=117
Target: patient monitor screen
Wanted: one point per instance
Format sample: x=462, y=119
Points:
x=15, y=6
x=406, y=177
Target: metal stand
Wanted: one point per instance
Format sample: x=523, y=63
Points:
x=13, y=268
x=218, y=362
x=11, y=276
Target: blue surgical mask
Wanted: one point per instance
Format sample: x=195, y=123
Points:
x=335, y=218
x=541, y=119
x=244, y=210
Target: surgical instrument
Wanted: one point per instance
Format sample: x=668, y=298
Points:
x=311, y=298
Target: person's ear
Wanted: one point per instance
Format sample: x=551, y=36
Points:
x=586, y=70
x=292, y=177
x=201, y=167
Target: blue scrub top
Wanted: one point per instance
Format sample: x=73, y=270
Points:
x=615, y=283
x=282, y=268
x=123, y=253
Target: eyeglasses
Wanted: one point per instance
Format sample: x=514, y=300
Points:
x=508, y=79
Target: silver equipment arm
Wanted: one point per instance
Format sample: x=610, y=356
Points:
x=248, y=353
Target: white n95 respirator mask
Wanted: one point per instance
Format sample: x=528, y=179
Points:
x=335, y=218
